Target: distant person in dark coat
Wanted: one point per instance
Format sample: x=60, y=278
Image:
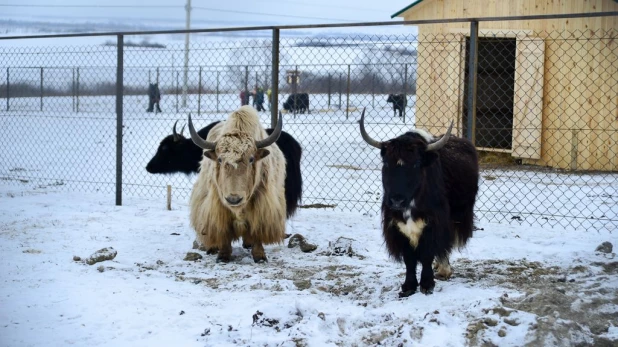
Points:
x=154, y=97
x=259, y=99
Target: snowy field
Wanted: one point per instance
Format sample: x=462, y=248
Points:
x=512, y=285
x=77, y=151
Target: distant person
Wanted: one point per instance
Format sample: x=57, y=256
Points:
x=154, y=97
x=259, y=99
x=244, y=98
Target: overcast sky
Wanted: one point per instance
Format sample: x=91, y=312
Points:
x=170, y=14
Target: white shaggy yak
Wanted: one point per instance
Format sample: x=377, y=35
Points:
x=240, y=189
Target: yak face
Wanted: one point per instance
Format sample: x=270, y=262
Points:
x=404, y=163
x=171, y=156
x=404, y=160
x=167, y=160
x=237, y=167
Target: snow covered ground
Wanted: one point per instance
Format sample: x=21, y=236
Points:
x=512, y=285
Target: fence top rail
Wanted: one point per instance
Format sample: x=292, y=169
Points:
x=318, y=26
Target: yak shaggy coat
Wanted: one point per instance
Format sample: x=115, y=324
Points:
x=261, y=219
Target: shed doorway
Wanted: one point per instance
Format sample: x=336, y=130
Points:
x=495, y=91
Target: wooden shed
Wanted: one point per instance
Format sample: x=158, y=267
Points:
x=547, y=90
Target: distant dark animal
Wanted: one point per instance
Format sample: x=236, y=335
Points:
x=399, y=101
x=154, y=97
x=177, y=154
x=298, y=102
x=239, y=191
x=427, y=209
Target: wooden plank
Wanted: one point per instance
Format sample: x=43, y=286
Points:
x=528, y=98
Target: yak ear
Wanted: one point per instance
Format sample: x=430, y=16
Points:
x=261, y=154
x=210, y=155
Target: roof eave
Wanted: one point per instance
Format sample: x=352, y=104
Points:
x=407, y=8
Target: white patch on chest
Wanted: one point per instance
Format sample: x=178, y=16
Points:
x=412, y=229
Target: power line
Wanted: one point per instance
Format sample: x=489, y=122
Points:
x=325, y=5
x=170, y=6
x=92, y=6
x=269, y=14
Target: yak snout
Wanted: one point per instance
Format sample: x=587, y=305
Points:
x=233, y=199
x=396, y=202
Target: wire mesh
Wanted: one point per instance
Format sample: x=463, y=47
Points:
x=545, y=122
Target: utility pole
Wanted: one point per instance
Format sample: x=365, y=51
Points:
x=185, y=81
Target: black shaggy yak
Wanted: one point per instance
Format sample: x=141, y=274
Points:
x=178, y=154
x=298, y=102
x=427, y=209
x=399, y=101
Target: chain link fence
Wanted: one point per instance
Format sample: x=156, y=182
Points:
x=544, y=116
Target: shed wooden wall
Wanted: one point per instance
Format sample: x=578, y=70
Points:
x=580, y=79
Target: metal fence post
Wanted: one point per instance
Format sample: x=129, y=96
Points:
x=405, y=91
x=217, y=92
x=340, y=77
x=41, y=89
x=347, y=98
x=329, y=82
x=8, y=89
x=119, y=121
x=77, y=92
x=246, y=84
x=373, y=90
x=274, y=94
x=472, y=76
x=73, y=88
x=199, y=92
x=177, y=90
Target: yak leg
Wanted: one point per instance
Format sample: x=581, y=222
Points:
x=409, y=285
x=246, y=241
x=259, y=256
x=225, y=252
x=427, y=281
x=443, y=269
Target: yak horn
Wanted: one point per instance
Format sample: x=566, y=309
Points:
x=366, y=137
x=176, y=136
x=441, y=142
x=273, y=137
x=200, y=142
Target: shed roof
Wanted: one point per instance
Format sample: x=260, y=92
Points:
x=414, y=3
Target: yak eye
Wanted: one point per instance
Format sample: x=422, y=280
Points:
x=251, y=160
x=220, y=160
x=385, y=164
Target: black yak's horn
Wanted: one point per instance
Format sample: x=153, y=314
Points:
x=366, y=137
x=274, y=136
x=176, y=136
x=182, y=131
x=441, y=142
x=200, y=142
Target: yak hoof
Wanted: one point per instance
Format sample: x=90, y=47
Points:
x=427, y=291
x=260, y=260
x=405, y=294
x=441, y=277
x=224, y=260
x=211, y=251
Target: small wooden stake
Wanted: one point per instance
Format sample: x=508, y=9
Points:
x=169, y=197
